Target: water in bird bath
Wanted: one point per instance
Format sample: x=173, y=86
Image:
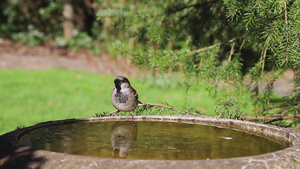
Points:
x=148, y=140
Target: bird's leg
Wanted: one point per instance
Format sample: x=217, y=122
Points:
x=133, y=114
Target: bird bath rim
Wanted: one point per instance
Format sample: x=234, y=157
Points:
x=286, y=158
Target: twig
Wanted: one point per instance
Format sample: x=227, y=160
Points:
x=175, y=10
x=160, y=105
x=160, y=111
x=110, y=113
x=287, y=31
x=268, y=119
x=177, y=54
x=149, y=105
x=231, y=52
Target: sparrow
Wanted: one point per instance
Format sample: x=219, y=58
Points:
x=123, y=97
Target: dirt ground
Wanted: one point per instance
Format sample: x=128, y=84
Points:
x=14, y=56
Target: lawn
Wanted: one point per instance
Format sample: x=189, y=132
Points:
x=30, y=97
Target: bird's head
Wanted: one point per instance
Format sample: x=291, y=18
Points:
x=121, y=82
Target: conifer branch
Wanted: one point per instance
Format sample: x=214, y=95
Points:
x=115, y=112
x=176, y=54
x=269, y=119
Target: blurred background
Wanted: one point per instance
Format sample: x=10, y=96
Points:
x=226, y=59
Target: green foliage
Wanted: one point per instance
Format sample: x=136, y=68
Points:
x=20, y=127
x=101, y=114
x=223, y=43
x=79, y=41
x=34, y=22
x=229, y=109
x=33, y=38
x=220, y=42
x=275, y=24
x=30, y=22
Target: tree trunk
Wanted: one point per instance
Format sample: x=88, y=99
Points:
x=68, y=19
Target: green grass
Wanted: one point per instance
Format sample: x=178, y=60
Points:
x=30, y=97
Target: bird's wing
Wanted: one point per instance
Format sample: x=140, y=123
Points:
x=136, y=95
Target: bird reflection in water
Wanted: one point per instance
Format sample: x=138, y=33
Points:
x=122, y=136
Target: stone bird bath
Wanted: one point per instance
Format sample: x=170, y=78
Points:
x=36, y=147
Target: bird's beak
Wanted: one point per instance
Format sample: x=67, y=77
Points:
x=117, y=84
